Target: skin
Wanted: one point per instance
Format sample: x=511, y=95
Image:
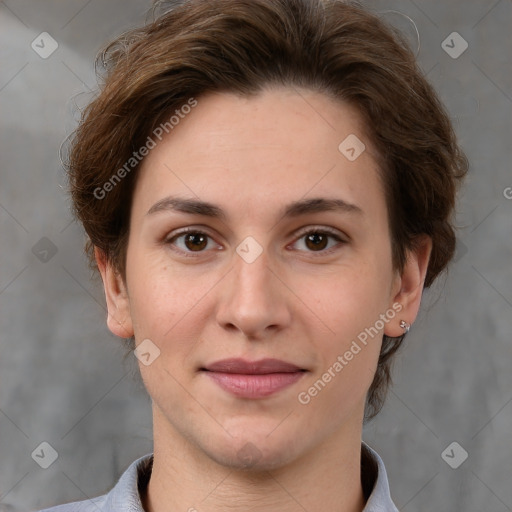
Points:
x=251, y=157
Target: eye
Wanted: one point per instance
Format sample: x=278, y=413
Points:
x=318, y=240
x=192, y=241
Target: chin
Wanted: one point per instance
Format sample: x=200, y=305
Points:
x=251, y=458
x=252, y=452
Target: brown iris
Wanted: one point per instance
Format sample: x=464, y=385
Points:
x=196, y=241
x=316, y=241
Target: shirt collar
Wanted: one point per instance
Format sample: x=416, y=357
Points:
x=126, y=494
x=372, y=469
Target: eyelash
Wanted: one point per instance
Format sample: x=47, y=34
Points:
x=331, y=233
x=308, y=231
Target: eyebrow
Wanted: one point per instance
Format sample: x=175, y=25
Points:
x=320, y=204
x=294, y=209
x=192, y=206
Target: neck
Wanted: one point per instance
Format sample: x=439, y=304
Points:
x=184, y=478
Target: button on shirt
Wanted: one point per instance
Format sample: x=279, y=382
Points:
x=126, y=495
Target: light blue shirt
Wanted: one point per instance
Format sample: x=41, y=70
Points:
x=125, y=496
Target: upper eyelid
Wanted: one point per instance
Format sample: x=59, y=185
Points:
x=188, y=229
x=338, y=237
x=298, y=234
x=171, y=239
x=337, y=234
x=319, y=229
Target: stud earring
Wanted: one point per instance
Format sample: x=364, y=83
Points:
x=405, y=326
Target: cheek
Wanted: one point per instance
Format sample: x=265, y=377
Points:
x=165, y=303
x=349, y=304
x=351, y=297
x=348, y=351
x=156, y=297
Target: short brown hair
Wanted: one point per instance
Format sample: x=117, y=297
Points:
x=330, y=46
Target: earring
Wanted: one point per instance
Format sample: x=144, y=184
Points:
x=405, y=326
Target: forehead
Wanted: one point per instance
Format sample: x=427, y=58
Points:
x=277, y=146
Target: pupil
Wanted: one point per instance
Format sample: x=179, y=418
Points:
x=195, y=241
x=316, y=241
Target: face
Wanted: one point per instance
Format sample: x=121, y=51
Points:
x=253, y=237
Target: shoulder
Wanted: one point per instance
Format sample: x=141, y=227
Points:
x=124, y=496
x=92, y=505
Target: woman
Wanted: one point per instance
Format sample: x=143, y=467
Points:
x=268, y=187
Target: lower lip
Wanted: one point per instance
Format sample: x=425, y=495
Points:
x=254, y=386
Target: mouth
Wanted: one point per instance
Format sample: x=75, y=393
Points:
x=253, y=379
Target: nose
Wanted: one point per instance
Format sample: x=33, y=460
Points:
x=253, y=299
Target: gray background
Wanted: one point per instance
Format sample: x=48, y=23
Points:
x=64, y=378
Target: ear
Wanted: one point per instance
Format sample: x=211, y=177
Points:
x=118, y=305
x=408, y=288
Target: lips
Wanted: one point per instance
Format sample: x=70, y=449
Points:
x=261, y=367
x=253, y=379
